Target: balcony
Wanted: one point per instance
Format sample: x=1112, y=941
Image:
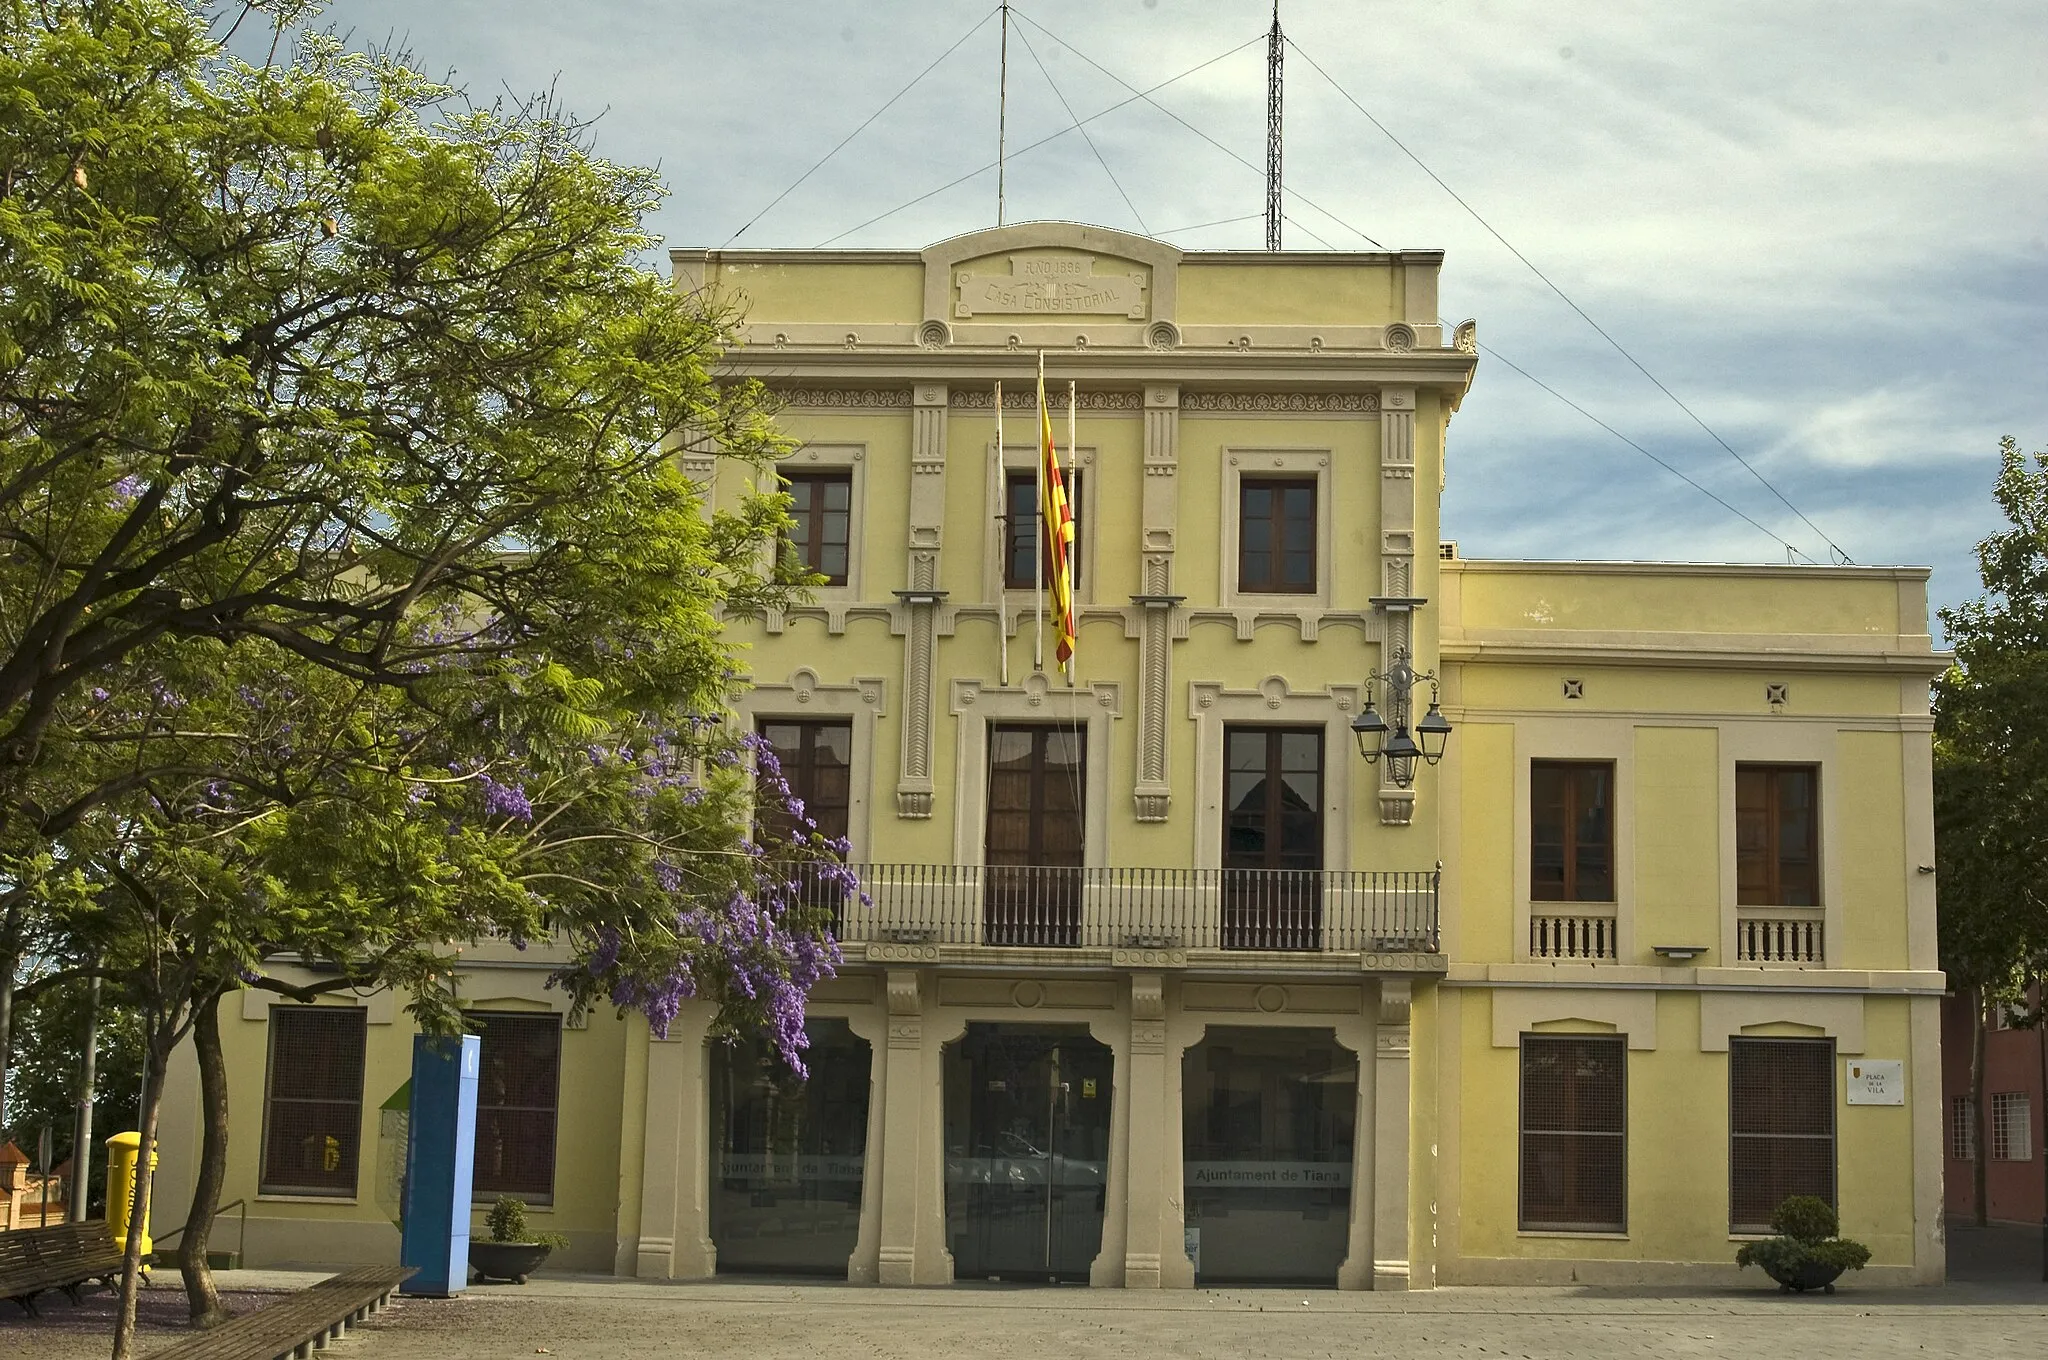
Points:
x=930, y=911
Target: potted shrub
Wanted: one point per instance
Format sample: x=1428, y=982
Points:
x=514, y=1251
x=1805, y=1254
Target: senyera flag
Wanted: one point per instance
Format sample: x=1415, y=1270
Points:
x=1058, y=517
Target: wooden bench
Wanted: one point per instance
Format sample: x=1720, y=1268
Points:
x=63, y=1256
x=297, y=1324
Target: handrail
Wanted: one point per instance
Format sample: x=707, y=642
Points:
x=1060, y=907
x=241, y=1232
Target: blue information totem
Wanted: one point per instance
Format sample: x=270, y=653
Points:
x=440, y=1153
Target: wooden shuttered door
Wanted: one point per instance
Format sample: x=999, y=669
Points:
x=1777, y=836
x=517, y=1091
x=1781, y=1124
x=313, y=1105
x=1574, y=1133
x=1571, y=831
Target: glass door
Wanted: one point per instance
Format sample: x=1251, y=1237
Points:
x=1027, y=1152
x=1273, y=838
x=1037, y=784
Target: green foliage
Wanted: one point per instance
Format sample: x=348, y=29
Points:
x=42, y=1079
x=507, y=1222
x=1991, y=749
x=1805, y=1219
x=1806, y=1228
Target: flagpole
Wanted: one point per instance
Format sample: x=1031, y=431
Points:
x=1003, y=107
x=1038, y=538
x=1067, y=476
x=1002, y=484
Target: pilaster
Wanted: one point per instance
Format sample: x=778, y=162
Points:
x=1160, y=515
x=1360, y=1269
x=1149, y=1230
x=921, y=595
x=1397, y=560
x=1389, y=1175
x=675, y=1187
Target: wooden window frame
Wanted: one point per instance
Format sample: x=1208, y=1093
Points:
x=801, y=778
x=1014, y=478
x=283, y=1020
x=810, y=547
x=1570, y=891
x=1035, y=832
x=1572, y=1139
x=1773, y=894
x=1274, y=584
x=1757, y=1049
x=482, y=1189
x=1274, y=771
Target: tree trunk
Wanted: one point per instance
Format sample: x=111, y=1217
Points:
x=81, y=1121
x=200, y=1295
x=1980, y=1115
x=131, y=1254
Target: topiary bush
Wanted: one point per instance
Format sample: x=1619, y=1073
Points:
x=507, y=1222
x=1806, y=1253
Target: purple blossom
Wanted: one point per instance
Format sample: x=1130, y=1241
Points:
x=606, y=956
x=504, y=800
x=97, y=695
x=668, y=876
x=124, y=492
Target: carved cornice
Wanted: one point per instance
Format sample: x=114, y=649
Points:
x=1265, y=402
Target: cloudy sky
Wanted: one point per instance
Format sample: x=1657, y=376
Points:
x=1822, y=223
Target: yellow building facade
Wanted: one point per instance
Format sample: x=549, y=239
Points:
x=1162, y=983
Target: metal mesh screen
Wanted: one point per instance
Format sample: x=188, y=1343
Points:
x=313, y=1116
x=518, y=1081
x=1781, y=1124
x=1574, y=1133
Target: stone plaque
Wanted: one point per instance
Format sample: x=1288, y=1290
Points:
x=1053, y=285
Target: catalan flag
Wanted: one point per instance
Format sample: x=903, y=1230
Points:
x=1057, y=517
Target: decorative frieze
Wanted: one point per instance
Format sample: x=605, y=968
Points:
x=847, y=398
x=1023, y=396
x=1268, y=403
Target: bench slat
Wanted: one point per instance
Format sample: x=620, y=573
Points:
x=291, y=1323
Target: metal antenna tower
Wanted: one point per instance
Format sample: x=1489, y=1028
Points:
x=1276, y=46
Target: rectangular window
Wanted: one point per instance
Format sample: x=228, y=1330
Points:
x=1571, y=831
x=1037, y=801
x=2012, y=1127
x=313, y=1106
x=1574, y=1133
x=1276, y=536
x=1781, y=1124
x=1962, y=1129
x=1777, y=835
x=518, y=1082
x=1021, y=513
x=817, y=763
x=1272, y=837
x=821, y=508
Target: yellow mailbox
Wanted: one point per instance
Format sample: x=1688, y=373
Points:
x=123, y=1151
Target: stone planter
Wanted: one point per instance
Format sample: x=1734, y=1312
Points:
x=512, y=1261
x=1806, y=1275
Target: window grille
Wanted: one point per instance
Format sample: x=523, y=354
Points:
x=518, y=1083
x=1574, y=1133
x=1962, y=1129
x=2012, y=1127
x=1781, y=1123
x=313, y=1107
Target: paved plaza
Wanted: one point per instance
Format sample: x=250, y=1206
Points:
x=575, y=1318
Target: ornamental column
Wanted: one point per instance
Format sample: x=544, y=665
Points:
x=1397, y=563
x=675, y=1185
x=917, y=612
x=1159, y=518
x=1146, y=1233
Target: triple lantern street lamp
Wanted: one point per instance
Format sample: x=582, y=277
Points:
x=1377, y=737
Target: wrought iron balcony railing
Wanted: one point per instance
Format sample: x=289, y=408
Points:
x=1307, y=911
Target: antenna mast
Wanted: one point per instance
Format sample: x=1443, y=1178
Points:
x=1275, y=46
x=1003, y=107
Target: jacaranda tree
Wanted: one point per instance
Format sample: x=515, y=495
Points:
x=351, y=602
